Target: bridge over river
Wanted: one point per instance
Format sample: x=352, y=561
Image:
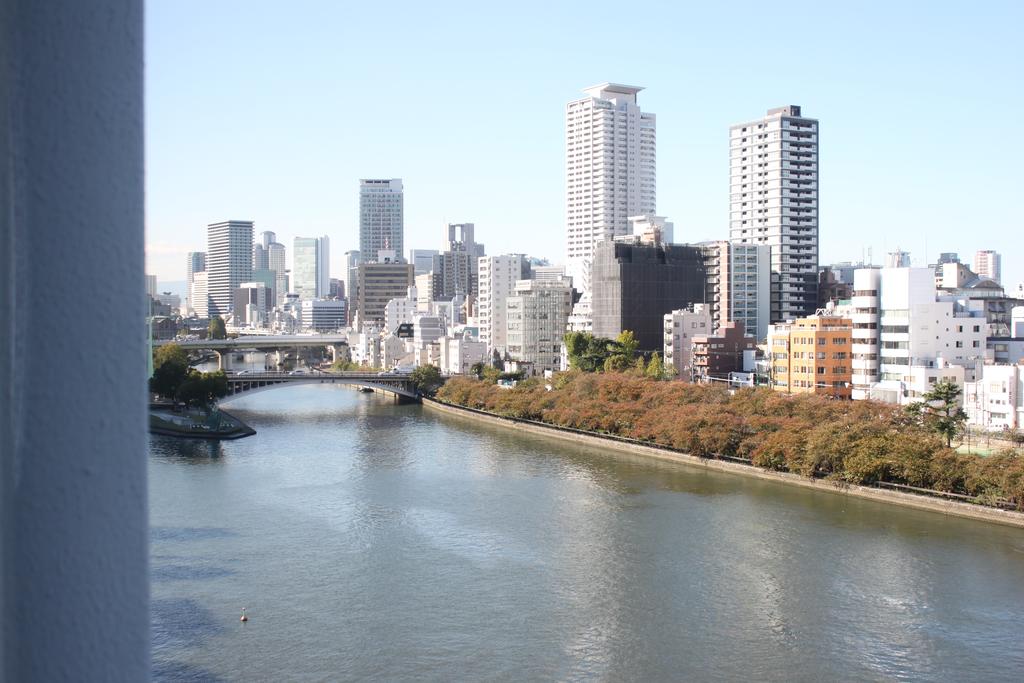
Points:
x=269, y=342
x=398, y=385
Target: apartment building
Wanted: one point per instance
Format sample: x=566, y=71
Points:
x=906, y=339
x=536, y=321
x=379, y=282
x=739, y=284
x=681, y=326
x=497, y=277
x=988, y=264
x=610, y=166
x=773, y=200
x=717, y=356
x=996, y=399
x=635, y=285
x=812, y=355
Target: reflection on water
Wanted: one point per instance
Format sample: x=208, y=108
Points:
x=197, y=450
x=373, y=540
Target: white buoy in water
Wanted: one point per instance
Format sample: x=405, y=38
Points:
x=243, y=617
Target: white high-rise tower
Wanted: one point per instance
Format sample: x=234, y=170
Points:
x=610, y=170
x=773, y=200
x=228, y=262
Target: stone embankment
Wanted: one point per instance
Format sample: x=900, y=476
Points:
x=912, y=500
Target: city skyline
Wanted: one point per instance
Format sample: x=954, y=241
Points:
x=484, y=158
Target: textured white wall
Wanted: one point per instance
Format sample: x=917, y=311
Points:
x=74, y=543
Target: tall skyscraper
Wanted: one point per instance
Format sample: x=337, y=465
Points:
x=988, y=263
x=310, y=272
x=196, y=263
x=276, y=262
x=228, y=262
x=610, y=166
x=259, y=251
x=267, y=254
x=381, y=217
x=352, y=259
x=773, y=200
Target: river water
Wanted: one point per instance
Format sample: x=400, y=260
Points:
x=369, y=540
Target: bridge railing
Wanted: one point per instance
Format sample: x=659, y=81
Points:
x=318, y=375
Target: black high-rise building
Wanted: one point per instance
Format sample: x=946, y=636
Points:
x=633, y=286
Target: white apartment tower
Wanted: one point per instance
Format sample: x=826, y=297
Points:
x=497, y=282
x=228, y=262
x=381, y=217
x=610, y=170
x=988, y=264
x=773, y=200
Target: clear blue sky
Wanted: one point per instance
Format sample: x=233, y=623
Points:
x=272, y=111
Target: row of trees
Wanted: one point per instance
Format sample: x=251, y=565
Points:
x=588, y=353
x=859, y=442
x=173, y=379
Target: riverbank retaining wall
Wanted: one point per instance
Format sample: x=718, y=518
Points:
x=921, y=502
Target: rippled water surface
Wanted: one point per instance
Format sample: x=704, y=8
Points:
x=369, y=540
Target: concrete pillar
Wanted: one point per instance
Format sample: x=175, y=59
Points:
x=74, y=529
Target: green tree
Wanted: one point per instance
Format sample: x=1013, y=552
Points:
x=217, y=329
x=427, y=379
x=655, y=368
x=170, y=368
x=940, y=411
x=587, y=352
x=626, y=344
x=170, y=353
x=202, y=389
x=616, y=363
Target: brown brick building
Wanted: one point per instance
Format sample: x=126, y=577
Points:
x=714, y=356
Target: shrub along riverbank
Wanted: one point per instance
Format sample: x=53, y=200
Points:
x=858, y=442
